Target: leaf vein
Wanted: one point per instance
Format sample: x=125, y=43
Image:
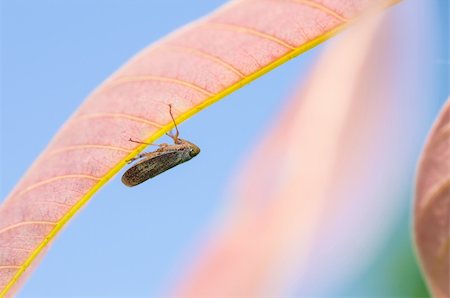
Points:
x=206, y=56
x=238, y=28
x=25, y=223
x=322, y=8
x=9, y=267
x=86, y=146
x=17, y=248
x=144, y=78
x=120, y=115
x=56, y=178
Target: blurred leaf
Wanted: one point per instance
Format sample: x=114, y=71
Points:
x=394, y=272
x=432, y=206
x=307, y=207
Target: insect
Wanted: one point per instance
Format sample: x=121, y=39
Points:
x=164, y=158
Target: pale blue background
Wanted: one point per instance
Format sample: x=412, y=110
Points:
x=132, y=241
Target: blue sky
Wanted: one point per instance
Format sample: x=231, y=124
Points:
x=128, y=241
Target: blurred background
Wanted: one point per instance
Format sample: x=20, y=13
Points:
x=138, y=242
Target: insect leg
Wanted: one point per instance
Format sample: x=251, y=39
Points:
x=174, y=137
x=137, y=157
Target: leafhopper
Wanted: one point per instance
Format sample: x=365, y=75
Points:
x=164, y=158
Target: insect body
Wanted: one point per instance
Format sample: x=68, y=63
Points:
x=160, y=160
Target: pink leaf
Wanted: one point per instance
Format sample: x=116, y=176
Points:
x=432, y=206
x=190, y=69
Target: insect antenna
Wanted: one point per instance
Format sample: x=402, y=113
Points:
x=131, y=140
